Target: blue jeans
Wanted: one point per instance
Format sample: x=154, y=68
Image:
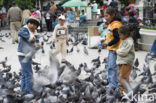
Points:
x=27, y=74
x=112, y=69
x=153, y=49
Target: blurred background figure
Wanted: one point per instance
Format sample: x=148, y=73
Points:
x=25, y=16
x=48, y=19
x=14, y=17
x=82, y=17
x=94, y=9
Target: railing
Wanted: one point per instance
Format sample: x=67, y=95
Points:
x=149, y=14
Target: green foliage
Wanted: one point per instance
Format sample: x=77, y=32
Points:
x=126, y=2
x=1, y=2
x=21, y=3
x=150, y=28
x=99, y=2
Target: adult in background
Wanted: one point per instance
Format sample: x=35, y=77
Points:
x=136, y=34
x=38, y=11
x=82, y=17
x=25, y=16
x=94, y=9
x=48, y=19
x=114, y=4
x=14, y=17
x=53, y=7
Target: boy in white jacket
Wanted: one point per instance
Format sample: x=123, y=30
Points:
x=60, y=35
x=125, y=54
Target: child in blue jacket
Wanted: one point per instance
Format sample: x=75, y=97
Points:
x=27, y=38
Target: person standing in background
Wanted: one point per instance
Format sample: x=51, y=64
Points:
x=48, y=19
x=25, y=16
x=53, y=7
x=14, y=17
x=114, y=4
x=94, y=9
x=38, y=11
x=136, y=34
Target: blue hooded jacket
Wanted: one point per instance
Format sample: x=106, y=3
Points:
x=25, y=45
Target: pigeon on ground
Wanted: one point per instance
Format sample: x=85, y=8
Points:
x=85, y=50
x=136, y=63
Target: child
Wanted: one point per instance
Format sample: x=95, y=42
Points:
x=113, y=18
x=27, y=37
x=60, y=38
x=125, y=54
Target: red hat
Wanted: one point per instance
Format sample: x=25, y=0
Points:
x=139, y=19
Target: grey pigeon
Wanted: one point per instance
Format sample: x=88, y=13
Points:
x=136, y=63
x=30, y=55
x=133, y=74
x=85, y=50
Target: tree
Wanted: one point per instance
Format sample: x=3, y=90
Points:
x=126, y=2
x=22, y=3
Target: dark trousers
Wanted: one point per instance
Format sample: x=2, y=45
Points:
x=49, y=24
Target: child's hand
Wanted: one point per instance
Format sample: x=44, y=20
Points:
x=102, y=40
x=38, y=46
x=104, y=45
x=32, y=40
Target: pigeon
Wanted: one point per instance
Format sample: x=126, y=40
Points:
x=153, y=85
x=133, y=74
x=105, y=60
x=8, y=68
x=148, y=58
x=45, y=38
x=4, y=62
x=86, y=69
x=85, y=50
x=136, y=63
x=99, y=50
x=78, y=50
x=155, y=66
x=30, y=55
x=42, y=47
x=71, y=50
x=75, y=43
x=78, y=72
x=84, y=42
x=60, y=70
x=96, y=60
x=1, y=48
x=36, y=68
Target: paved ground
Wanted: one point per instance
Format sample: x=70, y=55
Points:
x=75, y=58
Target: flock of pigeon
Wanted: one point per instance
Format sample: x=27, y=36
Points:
x=60, y=83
